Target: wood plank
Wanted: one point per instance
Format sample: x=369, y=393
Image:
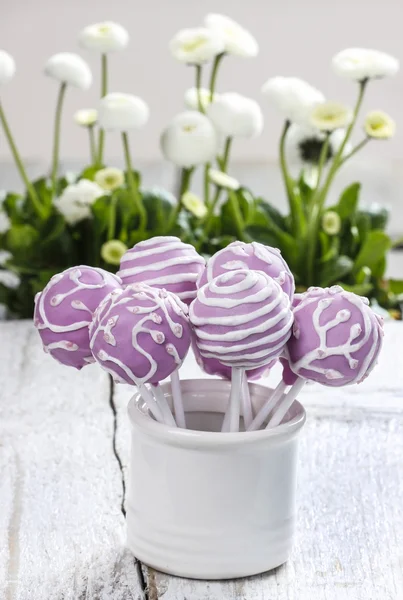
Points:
x=61, y=529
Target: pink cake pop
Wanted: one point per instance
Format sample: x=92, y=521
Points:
x=64, y=309
x=140, y=335
x=164, y=262
x=255, y=256
x=242, y=319
x=336, y=342
x=336, y=337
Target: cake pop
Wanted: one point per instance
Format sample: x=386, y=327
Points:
x=336, y=341
x=242, y=319
x=164, y=262
x=255, y=256
x=140, y=335
x=336, y=337
x=64, y=309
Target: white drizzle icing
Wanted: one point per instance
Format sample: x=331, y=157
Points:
x=346, y=349
x=161, y=300
x=61, y=345
x=158, y=272
x=79, y=285
x=220, y=293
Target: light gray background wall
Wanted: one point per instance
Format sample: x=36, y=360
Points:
x=296, y=38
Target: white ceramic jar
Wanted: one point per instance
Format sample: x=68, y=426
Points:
x=210, y=505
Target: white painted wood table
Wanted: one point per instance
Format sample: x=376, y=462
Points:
x=62, y=531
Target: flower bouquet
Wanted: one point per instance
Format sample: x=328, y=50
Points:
x=93, y=217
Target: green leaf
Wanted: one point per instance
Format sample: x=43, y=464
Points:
x=363, y=275
x=378, y=216
x=374, y=249
x=335, y=269
x=348, y=203
x=20, y=238
x=159, y=204
x=271, y=213
x=396, y=286
x=101, y=212
x=246, y=204
x=12, y=205
x=262, y=235
x=378, y=271
x=89, y=172
x=53, y=229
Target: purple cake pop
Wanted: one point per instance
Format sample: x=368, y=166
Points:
x=255, y=256
x=64, y=309
x=140, y=334
x=164, y=262
x=241, y=318
x=212, y=366
x=336, y=337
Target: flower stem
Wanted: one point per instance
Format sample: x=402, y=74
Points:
x=356, y=149
x=132, y=184
x=225, y=157
x=20, y=165
x=236, y=212
x=322, y=158
x=93, y=149
x=104, y=91
x=112, y=218
x=320, y=197
x=206, y=184
x=56, y=138
x=186, y=175
x=198, y=86
x=297, y=213
x=214, y=72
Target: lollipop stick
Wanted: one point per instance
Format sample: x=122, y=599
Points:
x=268, y=407
x=246, y=402
x=150, y=403
x=163, y=405
x=177, y=399
x=285, y=404
x=235, y=398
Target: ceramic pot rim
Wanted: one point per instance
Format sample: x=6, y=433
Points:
x=187, y=438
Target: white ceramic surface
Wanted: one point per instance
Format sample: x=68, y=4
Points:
x=209, y=505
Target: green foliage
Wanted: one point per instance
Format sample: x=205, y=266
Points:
x=44, y=244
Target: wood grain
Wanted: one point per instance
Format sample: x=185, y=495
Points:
x=62, y=532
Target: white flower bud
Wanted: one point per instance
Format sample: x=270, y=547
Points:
x=192, y=100
x=361, y=63
x=330, y=116
x=7, y=67
x=379, y=125
x=69, y=68
x=76, y=200
x=221, y=179
x=104, y=37
x=86, y=117
x=194, y=204
x=189, y=140
x=234, y=115
x=110, y=178
x=196, y=46
x=121, y=112
x=237, y=40
x=294, y=98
